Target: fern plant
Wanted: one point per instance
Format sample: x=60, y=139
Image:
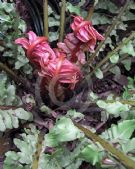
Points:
x=58, y=134
x=11, y=26
x=86, y=150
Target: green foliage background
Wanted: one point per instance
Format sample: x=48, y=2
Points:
x=64, y=131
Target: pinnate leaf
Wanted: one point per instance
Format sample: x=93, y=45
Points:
x=123, y=130
x=10, y=118
x=63, y=131
x=90, y=154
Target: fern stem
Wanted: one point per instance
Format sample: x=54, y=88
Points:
x=90, y=13
x=16, y=32
x=129, y=163
x=110, y=66
x=9, y=72
x=21, y=81
x=62, y=19
x=10, y=107
x=109, y=30
x=45, y=13
x=53, y=87
x=36, y=156
x=130, y=102
x=113, y=52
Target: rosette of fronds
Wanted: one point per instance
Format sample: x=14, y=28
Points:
x=60, y=69
x=62, y=65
